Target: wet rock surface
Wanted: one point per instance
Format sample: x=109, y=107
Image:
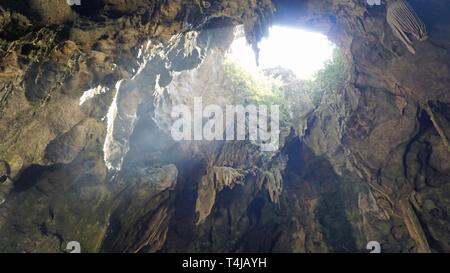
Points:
x=369, y=163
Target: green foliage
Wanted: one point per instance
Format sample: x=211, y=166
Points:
x=260, y=89
x=329, y=79
x=255, y=88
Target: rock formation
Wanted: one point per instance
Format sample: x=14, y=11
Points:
x=85, y=93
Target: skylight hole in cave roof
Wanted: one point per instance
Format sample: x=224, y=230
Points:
x=302, y=51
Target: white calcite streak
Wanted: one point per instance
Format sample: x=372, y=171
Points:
x=110, y=148
x=91, y=93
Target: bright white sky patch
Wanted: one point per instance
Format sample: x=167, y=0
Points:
x=301, y=51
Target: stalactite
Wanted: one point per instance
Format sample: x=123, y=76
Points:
x=215, y=180
x=272, y=181
x=403, y=20
x=413, y=225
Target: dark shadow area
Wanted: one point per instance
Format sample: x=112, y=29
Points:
x=182, y=233
x=89, y=8
x=308, y=176
x=31, y=176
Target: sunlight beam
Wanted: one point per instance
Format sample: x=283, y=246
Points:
x=301, y=51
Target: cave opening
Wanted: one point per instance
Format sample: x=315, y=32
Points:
x=303, y=59
x=302, y=51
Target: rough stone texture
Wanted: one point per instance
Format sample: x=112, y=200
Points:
x=371, y=163
x=147, y=199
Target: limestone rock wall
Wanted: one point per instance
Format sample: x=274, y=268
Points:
x=371, y=163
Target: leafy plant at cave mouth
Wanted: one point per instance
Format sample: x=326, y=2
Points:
x=255, y=88
x=331, y=78
x=258, y=88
